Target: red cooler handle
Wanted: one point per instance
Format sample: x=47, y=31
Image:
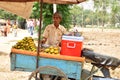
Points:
x=71, y=46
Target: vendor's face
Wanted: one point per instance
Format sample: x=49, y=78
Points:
x=56, y=20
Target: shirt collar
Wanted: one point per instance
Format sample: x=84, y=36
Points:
x=55, y=27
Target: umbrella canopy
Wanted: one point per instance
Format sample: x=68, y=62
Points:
x=22, y=9
x=50, y=1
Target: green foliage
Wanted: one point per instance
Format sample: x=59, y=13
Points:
x=115, y=12
x=36, y=11
x=65, y=12
x=76, y=14
x=104, y=17
x=19, y=18
x=48, y=12
x=7, y=15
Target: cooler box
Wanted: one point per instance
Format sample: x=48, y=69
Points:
x=71, y=45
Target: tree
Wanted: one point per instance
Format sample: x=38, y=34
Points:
x=101, y=8
x=35, y=11
x=7, y=15
x=115, y=12
x=103, y=15
x=89, y=16
x=76, y=15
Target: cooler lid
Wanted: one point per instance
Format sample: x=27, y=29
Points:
x=72, y=38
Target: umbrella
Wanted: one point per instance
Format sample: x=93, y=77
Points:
x=23, y=8
x=49, y=1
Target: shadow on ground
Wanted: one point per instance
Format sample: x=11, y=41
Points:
x=3, y=53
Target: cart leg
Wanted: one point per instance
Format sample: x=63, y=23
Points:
x=92, y=72
x=106, y=72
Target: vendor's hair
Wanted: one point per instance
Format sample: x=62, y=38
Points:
x=57, y=13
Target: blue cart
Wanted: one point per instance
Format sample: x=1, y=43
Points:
x=59, y=65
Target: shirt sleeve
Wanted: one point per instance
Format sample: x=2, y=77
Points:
x=64, y=31
x=46, y=32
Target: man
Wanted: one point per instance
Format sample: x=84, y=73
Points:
x=31, y=26
x=53, y=35
x=53, y=32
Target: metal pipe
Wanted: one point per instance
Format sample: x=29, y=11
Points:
x=39, y=36
x=54, y=8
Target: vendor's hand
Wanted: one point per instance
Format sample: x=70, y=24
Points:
x=59, y=44
x=43, y=40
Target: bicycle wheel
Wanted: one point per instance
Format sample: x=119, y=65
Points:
x=50, y=69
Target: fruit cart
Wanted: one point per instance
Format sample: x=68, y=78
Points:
x=43, y=63
x=59, y=65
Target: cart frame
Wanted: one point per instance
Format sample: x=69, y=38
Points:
x=22, y=60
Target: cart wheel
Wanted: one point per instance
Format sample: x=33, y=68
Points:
x=51, y=69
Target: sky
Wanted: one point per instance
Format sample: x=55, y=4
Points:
x=88, y=4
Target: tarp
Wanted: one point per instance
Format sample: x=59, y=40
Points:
x=23, y=8
x=99, y=59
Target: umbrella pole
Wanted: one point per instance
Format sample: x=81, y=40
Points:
x=39, y=36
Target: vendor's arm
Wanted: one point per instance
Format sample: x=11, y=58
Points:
x=45, y=35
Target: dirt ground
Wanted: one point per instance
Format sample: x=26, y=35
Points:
x=106, y=42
